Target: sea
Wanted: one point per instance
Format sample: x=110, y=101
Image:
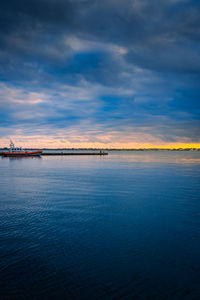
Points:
x=121, y=226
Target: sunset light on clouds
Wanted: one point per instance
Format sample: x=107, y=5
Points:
x=100, y=74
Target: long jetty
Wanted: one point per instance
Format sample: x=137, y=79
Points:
x=73, y=153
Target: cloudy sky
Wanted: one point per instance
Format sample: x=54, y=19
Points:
x=113, y=73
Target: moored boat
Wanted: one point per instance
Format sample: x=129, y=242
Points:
x=19, y=152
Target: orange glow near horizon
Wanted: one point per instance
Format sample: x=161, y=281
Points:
x=46, y=142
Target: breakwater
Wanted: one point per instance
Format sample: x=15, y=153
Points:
x=73, y=153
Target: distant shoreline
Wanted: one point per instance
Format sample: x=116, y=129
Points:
x=111, y=149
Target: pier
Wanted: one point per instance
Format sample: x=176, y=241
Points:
x=73, y=153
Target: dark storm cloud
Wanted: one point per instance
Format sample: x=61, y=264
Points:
x=139, y=58
x=22, y=13
x=161, y=35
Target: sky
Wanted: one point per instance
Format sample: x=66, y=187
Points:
x=100, y=73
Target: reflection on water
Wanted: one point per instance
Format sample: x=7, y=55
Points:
x=122, y=226
x=20, y=158
x=180, y=157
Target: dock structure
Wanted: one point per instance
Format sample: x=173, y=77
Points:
x=73, y=153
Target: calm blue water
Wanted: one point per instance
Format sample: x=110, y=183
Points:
x=123, y=226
